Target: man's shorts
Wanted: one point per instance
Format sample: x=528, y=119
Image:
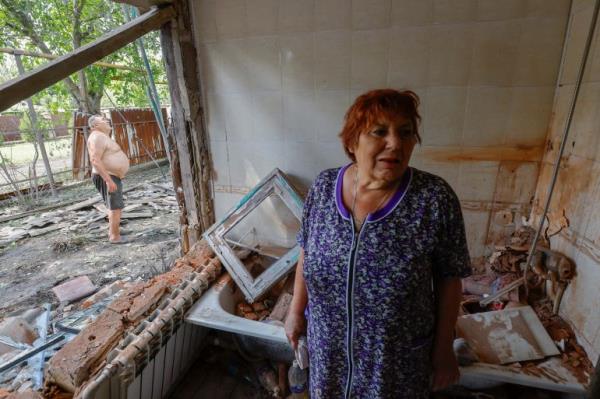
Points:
x=112, y=200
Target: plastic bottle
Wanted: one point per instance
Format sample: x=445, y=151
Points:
x=302, y=352
x=298, y=379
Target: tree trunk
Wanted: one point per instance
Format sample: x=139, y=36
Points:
x=33, y=180
x=39, y=137
x=10, y=179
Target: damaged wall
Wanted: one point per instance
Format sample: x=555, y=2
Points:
x=278, y=76
x=576, y=199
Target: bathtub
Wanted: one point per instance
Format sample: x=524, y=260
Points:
x=216, y=310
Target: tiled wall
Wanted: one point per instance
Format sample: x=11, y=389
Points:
x=577, y=194
x=278, y=76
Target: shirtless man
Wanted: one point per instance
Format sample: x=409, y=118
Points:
x=109, y=166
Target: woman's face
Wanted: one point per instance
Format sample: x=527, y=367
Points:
x=384, y=149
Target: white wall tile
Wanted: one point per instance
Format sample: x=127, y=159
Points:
x=578, y=31
x=333, y=55
x=412, y=12
x=298, y=61
x=262, y=57
x=371, y=14
x=450, y=54
x=303, y=161
x=299, y=110
x=445, y=117
x=495, y=53
x=215, y=117
x=582, y=299
x=332, y=155
x=369, y=59
x=592, y=72
x=493, y=10
x=331, y=106
x=409, y=56
x=586, y=120
x=333, y=14
x=539, y=51
x=476, y=224
x=452, y=11
x=251, y=161
x=224, y=202
x=592, y=228
x=220, y=161
x=262, y=17
x=529, y=116
x=225, y=66
x=448, y=170
x=230, y=18
x=296, y=15
x=267, y=115
x=477, y=180
x=516, y=182
x=486, y=116
x=548, y=8
x=204, y=19
x=238, y=119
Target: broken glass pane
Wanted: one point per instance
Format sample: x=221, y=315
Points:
x=264, y=225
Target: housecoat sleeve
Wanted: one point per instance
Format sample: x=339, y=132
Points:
x=451, y=254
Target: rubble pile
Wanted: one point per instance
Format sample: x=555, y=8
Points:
x=87, y=217
x=124, y=305
x=549, y=276
x=573, y=355
x=274, y=304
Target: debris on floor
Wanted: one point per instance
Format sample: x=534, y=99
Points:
x=74, y=289
x=504, y=339
x=79, y=360
x=141, y=202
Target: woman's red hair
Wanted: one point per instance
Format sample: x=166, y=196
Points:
x=375, y=106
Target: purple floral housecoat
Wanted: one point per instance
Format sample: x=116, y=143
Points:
x=371, y=313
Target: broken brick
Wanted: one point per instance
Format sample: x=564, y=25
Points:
x=74, y=289
x=18, y=330
x=280, y=310
x=147, y=300
x=71, y=366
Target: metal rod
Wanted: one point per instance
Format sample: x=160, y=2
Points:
x=54, y=339
x=582, y=65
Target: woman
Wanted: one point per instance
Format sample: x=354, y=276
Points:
x=383, y=251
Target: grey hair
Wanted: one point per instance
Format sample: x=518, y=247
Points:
x=93, y=119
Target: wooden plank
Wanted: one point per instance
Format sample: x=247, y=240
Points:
x=18, y=89
x=35, y=54
x=144, y=4
x=191, y=139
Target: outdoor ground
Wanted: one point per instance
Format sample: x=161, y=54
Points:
x=31, y=266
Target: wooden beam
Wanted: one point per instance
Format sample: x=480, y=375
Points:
x=193, y=162
x=25, y=86
x=27, y=53
x=144, y=4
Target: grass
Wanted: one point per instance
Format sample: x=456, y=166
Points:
x=22, y=153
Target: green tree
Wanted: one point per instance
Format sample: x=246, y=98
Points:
x=60, y=26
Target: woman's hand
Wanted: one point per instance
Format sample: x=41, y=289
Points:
x=295, y=326
x=445, y=367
